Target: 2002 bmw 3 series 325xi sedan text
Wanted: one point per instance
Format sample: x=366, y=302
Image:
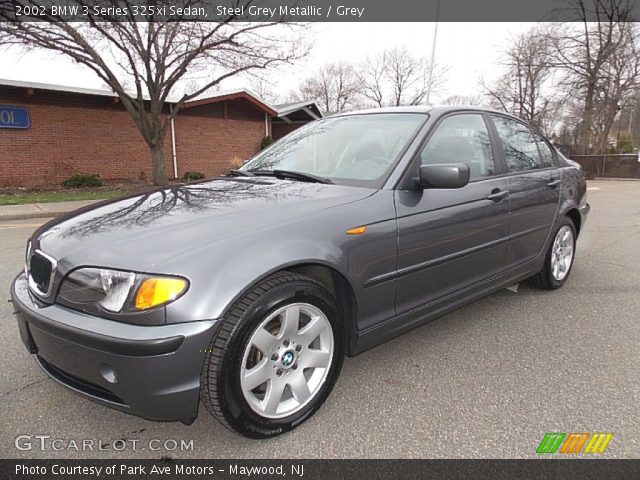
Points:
x=246, y=291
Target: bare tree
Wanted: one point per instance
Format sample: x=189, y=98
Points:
x=397, y=77
x=335, y=87
x=437, y=79
x=403, y=72
x=146, y=62
x=372, y=78
x=586, y=49
x=617, y=86
x=632, y=124
x=556, y=115
x=461, y=100
x=265, y=89
x=521, y=89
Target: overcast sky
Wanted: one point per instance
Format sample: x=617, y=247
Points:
x=471, y=50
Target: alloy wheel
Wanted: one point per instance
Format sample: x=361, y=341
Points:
x=286, y=360
x=562, y=253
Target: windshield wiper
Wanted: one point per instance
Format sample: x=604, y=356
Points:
x=303, y=177
x=239, y=173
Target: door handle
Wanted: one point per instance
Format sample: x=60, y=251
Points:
x=554, y=183
x=497, y=195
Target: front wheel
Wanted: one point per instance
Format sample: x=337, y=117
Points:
x=275, y=357
x=559, y=258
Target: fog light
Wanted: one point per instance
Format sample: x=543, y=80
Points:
x=108, y=373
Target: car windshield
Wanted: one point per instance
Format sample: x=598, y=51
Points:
x=355, y=149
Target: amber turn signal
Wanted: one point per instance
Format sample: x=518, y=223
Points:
x=158, y=290
x=356, y=231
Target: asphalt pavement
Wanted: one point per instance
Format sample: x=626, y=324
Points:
x=487, y=381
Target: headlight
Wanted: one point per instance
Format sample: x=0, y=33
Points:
x=107, y=288
x=115, y=290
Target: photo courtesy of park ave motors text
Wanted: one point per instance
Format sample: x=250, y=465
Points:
x=315, y=230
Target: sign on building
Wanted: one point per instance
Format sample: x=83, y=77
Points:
x=14, y=117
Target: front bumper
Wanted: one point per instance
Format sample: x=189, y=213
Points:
x=149, y=371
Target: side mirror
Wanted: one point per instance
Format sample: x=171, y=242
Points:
x=444, y=175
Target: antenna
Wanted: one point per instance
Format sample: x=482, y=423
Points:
x=433, y=56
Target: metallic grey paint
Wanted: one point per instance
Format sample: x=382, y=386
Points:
x=424, y=253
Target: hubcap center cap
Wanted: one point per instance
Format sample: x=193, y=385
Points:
x=287, y=358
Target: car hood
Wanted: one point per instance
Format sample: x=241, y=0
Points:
x=141, y=231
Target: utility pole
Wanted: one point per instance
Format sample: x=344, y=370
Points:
x=433, y=56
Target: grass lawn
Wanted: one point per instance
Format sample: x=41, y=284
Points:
x=58, y=196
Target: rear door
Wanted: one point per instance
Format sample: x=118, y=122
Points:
x=534, y=184
x=451, y=239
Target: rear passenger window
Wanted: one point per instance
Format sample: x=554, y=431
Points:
x=462, y=138
x=546, y=155
x=519, y=145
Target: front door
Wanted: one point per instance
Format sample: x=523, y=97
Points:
x=451, y=239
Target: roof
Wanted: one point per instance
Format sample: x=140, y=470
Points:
x=435, y=109
x=56, y=88
x=403, y=109
x=286, y=108
x=232, y=95
x=200, y=100
x=298, y=112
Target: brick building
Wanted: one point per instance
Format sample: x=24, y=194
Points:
x=73, y=130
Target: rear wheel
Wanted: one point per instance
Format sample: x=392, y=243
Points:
x=275, y=357
x=559, y=258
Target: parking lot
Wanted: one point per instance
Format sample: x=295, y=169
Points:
x=488, y=380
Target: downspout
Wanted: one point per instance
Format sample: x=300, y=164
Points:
x=266, y=124
x=173, y=143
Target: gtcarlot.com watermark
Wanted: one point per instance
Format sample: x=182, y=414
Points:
x=47, y=443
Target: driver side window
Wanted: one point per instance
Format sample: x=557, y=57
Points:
x=461, y=138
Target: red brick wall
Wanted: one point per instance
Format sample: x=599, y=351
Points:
x=71, y=134
x=209, y=143
x=82, y=134
x=281, y=129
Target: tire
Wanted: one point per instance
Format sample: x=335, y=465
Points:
x=548, y=278
x=224, y=389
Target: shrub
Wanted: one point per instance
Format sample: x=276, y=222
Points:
x=83, y=180
x=266, y=141
x=191, y=176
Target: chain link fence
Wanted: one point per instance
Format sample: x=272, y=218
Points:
x=611, y=166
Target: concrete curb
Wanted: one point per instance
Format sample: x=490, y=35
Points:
x=27, y=216
x=40, y=210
